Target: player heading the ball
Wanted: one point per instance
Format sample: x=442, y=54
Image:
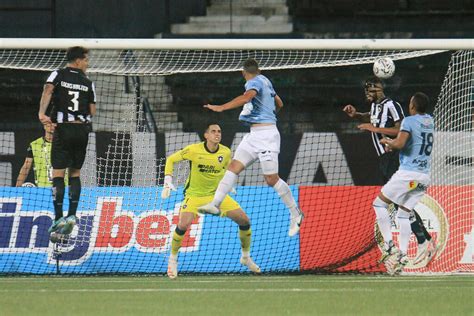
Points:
x=260, y=104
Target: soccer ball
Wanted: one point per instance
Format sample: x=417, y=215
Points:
x=384, y=68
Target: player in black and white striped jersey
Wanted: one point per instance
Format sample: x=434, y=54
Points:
x=73, y=99
x=384, y=120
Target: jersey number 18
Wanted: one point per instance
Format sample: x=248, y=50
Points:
x=427, y=144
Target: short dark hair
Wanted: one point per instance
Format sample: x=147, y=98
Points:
x=421, y=102
x=371, y=82
x=251, y=66
x=208, y=125
x=76, y=52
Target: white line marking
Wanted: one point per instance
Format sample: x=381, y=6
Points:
x=94, y=290
x=235, y=280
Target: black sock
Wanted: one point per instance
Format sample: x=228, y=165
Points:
x=74, y=194
x=245, y=227
x=423, y=228
x=58, y=197
x=417, y=227
x=179, y=231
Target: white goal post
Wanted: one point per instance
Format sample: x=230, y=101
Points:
x=240, y=44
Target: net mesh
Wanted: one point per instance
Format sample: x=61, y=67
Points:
x=157, y=62
x=125, y=227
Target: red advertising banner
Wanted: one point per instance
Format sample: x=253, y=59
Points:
x=338, y=234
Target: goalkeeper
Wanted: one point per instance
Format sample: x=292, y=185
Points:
x=209, y=161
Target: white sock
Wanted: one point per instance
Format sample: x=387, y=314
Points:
x=383, y=219
x=224, y=187
x=173, y=257
x=405, y=230
x=245, y=254
x=284, y=192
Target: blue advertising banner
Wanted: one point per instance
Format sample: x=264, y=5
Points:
x=128, y=230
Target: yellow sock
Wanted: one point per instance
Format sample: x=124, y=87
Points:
x=176, y=243
x=245, y=239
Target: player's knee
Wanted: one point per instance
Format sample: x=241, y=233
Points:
x=378, y=202
x=74, y=173
x=244, y=220
x=236, y=166
x=271, y=179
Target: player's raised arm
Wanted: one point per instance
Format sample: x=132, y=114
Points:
x=234, y=103
x=351, y=111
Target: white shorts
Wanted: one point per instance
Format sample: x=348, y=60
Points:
x=406, y=188
x=263, y=142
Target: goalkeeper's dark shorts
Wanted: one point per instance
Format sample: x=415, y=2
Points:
x=69, y=145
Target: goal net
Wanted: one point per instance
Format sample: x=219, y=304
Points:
x=150, y=105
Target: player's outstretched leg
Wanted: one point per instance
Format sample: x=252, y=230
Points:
x=224, y=187
x=283, y=190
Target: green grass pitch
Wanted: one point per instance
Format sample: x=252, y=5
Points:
x=238, y=295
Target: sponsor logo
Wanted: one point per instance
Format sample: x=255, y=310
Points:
x=107, y=229
x=415, y=185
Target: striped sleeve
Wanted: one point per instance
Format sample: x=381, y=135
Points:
x=92, y=96
x=53, y=78
x=396, y=111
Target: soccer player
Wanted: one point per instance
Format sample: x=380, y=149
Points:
x=39, y=156
x=384, y=120
x=260, y=104
x=73, y=97
x=408, y=185
x=209, y=160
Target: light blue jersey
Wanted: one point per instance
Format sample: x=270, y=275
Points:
x=262, y=107
x=416, y=155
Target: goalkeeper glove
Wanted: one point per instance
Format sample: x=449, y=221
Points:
x=167, y=187
x=233, y=191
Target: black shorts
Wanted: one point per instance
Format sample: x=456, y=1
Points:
x=69, y=145
x=389, y=163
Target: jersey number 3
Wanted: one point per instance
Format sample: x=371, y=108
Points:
x=75, y=102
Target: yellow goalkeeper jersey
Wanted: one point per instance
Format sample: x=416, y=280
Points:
x=207, y=168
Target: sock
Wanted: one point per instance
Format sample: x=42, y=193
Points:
x=178, y=236
x=245, y=235
x=74, y=194
x=58, y=197
x=383, y=219
x=405, y=230
x=224, y=187
x=416, y=227
x=423, y=230
x=283, y=190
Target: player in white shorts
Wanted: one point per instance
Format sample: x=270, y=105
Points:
x=260, y=104
x=408, y=185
